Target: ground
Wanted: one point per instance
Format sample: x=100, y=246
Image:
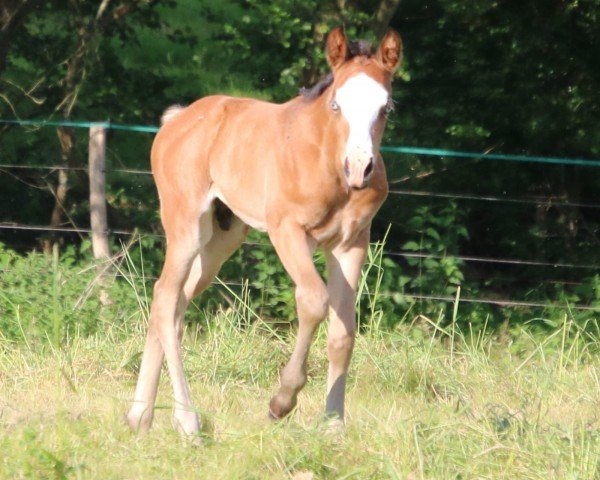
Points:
x=422, y=403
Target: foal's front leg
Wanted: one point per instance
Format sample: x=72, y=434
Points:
x=295, y=249
x=344, y=266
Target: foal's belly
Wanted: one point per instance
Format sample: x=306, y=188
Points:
x=250, y=212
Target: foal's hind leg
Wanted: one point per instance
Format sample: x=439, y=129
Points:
x=204, y=266
x=295, y=250
x=212, y=256
x=163, y=329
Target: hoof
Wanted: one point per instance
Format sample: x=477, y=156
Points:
x=139, y=421
x=194, y=441
x=280, y=407
x=187, y=423
x=335, y=427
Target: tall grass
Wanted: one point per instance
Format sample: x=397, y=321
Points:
x=427, y=399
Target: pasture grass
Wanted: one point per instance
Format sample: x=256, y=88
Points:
x=424, y=402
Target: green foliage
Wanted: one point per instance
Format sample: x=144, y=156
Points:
x=278, y=45
x=589, y=291
x=516, y=77
x=47, y=299
x=440, y=233
x=34, y=280
x=431, y=263
x=272, y=287
x=68, y=286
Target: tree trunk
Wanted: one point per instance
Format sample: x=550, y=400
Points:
x=66, y=138
x=383, y=16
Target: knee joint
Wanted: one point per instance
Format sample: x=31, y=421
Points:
x=313, y=302
x=341, y=343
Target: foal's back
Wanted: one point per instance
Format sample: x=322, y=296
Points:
x=223, y=147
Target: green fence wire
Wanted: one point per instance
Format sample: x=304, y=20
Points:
x=437, y=152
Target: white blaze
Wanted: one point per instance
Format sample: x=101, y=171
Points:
x=361, y=99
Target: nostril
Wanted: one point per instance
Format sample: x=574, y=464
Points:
x=369, y=168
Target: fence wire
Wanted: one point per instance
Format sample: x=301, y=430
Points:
x=500, y=302
x=545, y=201
x=405, y=254
x=413, y=296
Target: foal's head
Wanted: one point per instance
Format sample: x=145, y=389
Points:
x=360, y=99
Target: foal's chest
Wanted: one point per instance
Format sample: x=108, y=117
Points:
x=342, y=223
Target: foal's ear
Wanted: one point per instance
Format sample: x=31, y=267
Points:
x=337, y=48
x=389, y=53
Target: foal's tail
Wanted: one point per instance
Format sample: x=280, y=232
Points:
x=170, y=113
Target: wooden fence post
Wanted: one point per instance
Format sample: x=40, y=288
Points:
x=98, y=220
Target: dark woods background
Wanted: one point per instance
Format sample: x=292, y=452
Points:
x=505, y=76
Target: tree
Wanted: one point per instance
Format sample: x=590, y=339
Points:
x=12, y=15
x=279, y=44
x=79, y=30
x=507, y=76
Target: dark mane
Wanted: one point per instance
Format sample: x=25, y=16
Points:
x=317, y=89
x=356, y=48
x=360, y=48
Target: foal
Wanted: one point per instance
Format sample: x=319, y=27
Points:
x=309, y=173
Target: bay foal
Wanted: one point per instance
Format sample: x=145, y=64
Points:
x=309, y=173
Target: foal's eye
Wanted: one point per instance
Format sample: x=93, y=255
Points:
x=334, y=106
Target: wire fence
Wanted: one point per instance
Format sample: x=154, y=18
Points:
x=405, y=254
x=542, y=201
x=548, y=201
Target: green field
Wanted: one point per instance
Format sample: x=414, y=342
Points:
x=424, y=402
x=439, y=387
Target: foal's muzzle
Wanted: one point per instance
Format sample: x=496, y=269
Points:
x=358, y=170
